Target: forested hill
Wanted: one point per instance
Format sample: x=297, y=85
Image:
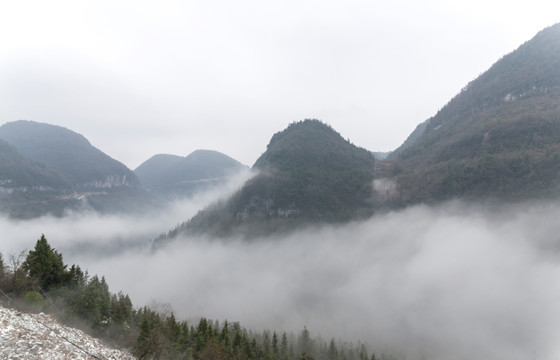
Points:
x=311, y=169
x=308, y=174
x=67, y=153
x=48, y=169
x=499, y=137
x=20, y=172
x=41, y=282
x=184, y=175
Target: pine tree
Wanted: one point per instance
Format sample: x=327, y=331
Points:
x=45, y=264
x=284, y=347
x=275, y=348
x=363, y=353
x=1, y=267
x=225, y=339
x=305, y=344
x=266, y=346
x=332, y=352
x=75, y=277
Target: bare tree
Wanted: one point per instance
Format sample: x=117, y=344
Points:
x=19, y=279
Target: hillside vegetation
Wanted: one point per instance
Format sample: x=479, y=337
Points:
x=308, y=174
x=67, y=153
x=48, y=169
x=18, y=171
x=175, y=175
x=499, y=138
x=39, y=281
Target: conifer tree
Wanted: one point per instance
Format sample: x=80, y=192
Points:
x=284, y=347
x=275, y=347
x=332, y=353
x=45, y=264
x=1, y=266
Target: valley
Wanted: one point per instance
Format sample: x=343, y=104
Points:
x=444, y=248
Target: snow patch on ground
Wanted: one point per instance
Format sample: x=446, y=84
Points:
x=39, y=336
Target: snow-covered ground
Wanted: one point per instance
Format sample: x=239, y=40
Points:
x=39, y=336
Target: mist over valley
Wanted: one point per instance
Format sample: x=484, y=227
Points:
x=446, y=247
x=455, y=280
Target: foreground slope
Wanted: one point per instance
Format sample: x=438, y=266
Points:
x=308, y=174
x=176, y=175
x=500, y=137
x=39, y=336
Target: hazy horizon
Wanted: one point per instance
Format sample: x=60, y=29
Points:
x=138, y=79
x=452, y=280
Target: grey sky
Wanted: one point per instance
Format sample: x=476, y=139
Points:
x=139, y=78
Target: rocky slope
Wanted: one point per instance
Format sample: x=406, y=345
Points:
x=39, y=336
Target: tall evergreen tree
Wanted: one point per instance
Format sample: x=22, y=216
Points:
x=1, y=266
x=275, y=347
x=45, y=264
x=284, y=347
x=332, y=353
x=305, y=344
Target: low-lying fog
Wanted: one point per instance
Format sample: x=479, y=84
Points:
x=449, y=282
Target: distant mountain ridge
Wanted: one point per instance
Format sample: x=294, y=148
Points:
x=184, y=175
x=499, y=138
x=21, y=173
x=68, y=153
x=49, y=169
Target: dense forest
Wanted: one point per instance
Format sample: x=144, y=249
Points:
x=498, y=138
x=309, y=174
x=40, y=281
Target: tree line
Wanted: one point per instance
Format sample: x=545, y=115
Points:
x=40, y=281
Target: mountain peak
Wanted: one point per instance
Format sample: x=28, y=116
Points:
x=67, y=152
x=308, y=174
x=177, y=175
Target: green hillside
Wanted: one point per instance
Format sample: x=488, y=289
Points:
x=176, y=175
x=67, y=153
x=499, y=137
x=309, y=174
x=17, y=171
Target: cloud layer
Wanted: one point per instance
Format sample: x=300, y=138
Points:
x=454, y=281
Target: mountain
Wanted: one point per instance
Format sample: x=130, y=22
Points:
x=308, y=174
x=19, y=172
x=67, y=153
x=26, y=185
x=184, y=175
x=50, y=169
x=498, y=138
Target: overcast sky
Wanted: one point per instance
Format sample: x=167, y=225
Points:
x=139, y=78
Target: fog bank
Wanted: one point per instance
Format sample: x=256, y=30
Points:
x=455, y=281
